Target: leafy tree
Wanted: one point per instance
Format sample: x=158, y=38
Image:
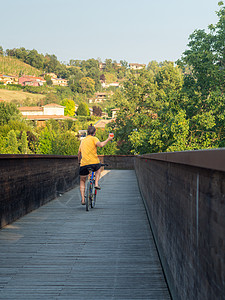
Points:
x=69, y=107
x=24, y=143
x=74, y=79
x=65, y=144
x=51, y=98
x=35, y=59
x=153, y=66
x=87, y=85
x=83, y=109
x=32, y=138
x=109, y=66
x=110, y=77
x=51, y=64
x=97, y=111
x=102, y=77
x=45, y=143
x=8, y=111
x=12, y=144
x=148, y=108
x=206, y=56
x=94, y=74
x=2, y=144
x=124, y=63
x=48, y=80
x=1, y=51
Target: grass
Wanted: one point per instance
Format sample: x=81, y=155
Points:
x=20, y=97
x=13, y=66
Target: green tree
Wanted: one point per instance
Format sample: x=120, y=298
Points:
x=97, y=111
x=150, y=118
x=45, y=143
x=65, y=143
x=83, y=109
x=153, y=66
x=87, y=85
x=24, y=143
x=2, y=144
x=8, y=111
x=69, y=107
x=109, y=66
x=206, y=56
x=35, y=59
x=12, y=144
x=48, y=80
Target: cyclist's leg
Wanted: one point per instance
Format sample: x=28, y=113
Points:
x=97, y=176
x=82, y=187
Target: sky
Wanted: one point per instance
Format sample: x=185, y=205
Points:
x=137, y=31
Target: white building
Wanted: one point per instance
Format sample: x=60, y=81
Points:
x=53, y=109
x=47, y=110
x=135, y=66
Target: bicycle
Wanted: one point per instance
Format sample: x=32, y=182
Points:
x=90, y=191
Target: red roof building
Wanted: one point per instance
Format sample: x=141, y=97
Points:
x=31, y=81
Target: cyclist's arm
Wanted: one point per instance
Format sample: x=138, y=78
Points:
x=102, y=144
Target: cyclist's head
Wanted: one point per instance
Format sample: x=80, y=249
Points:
x=91, y=130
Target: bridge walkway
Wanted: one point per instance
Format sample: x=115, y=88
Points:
x=60, y=251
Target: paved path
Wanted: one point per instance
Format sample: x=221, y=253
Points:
x=60, y=251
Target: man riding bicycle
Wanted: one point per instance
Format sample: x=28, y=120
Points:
x=87, y=157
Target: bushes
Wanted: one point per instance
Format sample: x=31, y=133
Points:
x=38, y=89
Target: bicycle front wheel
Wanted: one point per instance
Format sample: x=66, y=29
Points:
x=87, y=194
x=94, y=197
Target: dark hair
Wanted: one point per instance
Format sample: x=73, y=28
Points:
x=91, y=130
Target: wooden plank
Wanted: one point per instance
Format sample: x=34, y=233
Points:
x=60, y=251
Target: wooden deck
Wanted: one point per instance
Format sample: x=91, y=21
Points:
x=60, y=251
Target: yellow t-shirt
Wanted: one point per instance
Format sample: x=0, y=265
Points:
x=88, y=151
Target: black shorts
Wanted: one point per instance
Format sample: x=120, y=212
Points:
x=84, y=169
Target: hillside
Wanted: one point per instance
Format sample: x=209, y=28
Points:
x=13, y=66
x=20, y=96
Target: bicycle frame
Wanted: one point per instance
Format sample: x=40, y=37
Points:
x=90, y=191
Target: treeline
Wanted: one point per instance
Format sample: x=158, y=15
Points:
x=175, y=108
x=74, y=71
x=19, y=136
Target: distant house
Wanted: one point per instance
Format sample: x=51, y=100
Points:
x=102, y=66
x=102, y=123
x=105, y=85
x=52, y=75
x=135, y=66
x=8, y=79
x=31, y=110
x=59, y=81
x=53, y=109
x=98, y=98
x=31, y=81
x=55, y=80
x=114, y=112
x=44, y=113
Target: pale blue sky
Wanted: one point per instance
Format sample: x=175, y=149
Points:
x=132, y=30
